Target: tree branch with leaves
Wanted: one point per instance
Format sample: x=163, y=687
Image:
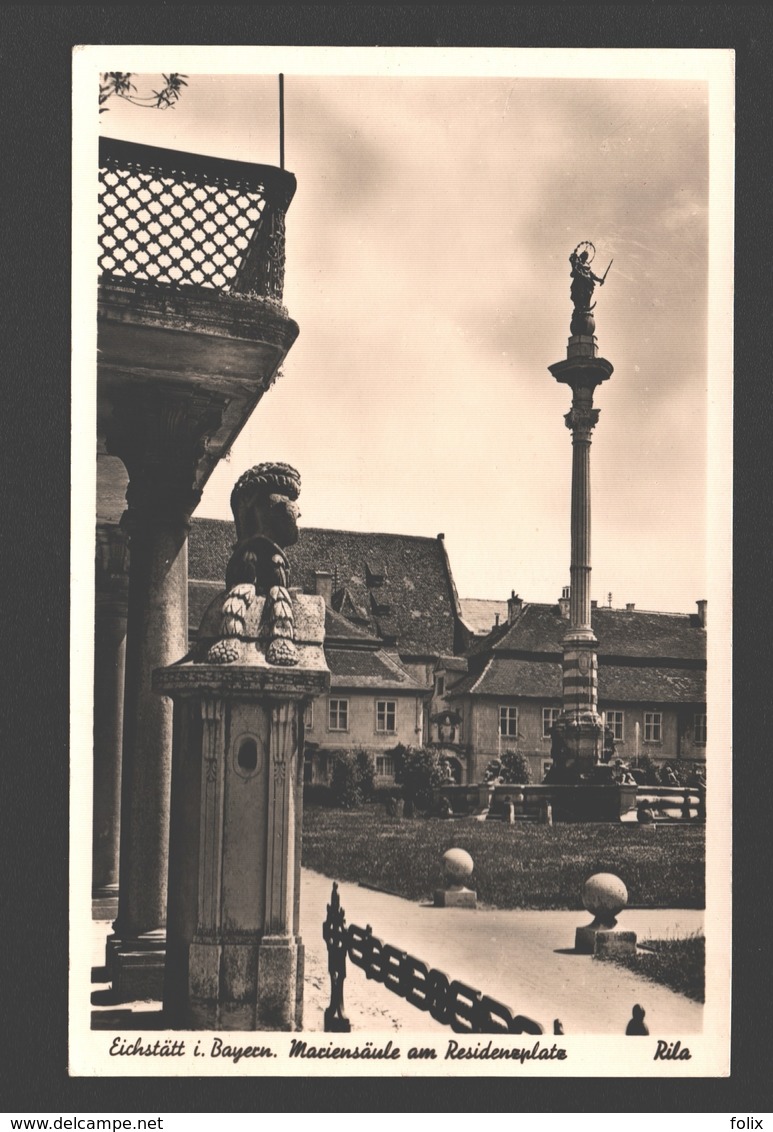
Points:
x=119, y=84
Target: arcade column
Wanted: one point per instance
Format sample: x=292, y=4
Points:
x=159, y=434
x=111, y=591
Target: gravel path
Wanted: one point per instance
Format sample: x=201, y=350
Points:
x=523, y=958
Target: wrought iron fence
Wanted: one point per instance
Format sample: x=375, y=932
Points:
x=449, y=1001
x=182, y=219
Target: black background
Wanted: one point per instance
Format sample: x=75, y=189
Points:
x=36, y=49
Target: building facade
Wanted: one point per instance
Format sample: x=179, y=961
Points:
x=411, y=664
x=651, y=677
x=391, y=610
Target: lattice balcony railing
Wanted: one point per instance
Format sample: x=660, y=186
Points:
x=181, y=219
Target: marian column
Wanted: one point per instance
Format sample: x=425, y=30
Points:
x=578, y=734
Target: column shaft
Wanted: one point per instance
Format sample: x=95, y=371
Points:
x=109, y=665
x=580, y=566
x=157, y=629
x=111, y=579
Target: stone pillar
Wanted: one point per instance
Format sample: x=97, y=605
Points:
x=159, y=435
x=581, y=420
x=109, y=661
x=579, y=729
x=234, y=956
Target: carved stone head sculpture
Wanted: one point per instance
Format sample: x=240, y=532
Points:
x=263, y=503
x=266, y=514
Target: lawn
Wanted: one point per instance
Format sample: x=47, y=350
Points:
x=676, y=963
x=520, y=866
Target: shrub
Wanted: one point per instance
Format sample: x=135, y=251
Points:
x=419, y=770
x=352, y=779
x=672, y=775
x=651, y=770
x=515, y=768
x=366, y=772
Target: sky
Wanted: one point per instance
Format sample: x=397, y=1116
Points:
x=427, y=267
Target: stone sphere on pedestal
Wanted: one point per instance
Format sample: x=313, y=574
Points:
x=458, y=866
x=604, y=895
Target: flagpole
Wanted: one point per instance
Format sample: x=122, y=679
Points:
x=281, y=121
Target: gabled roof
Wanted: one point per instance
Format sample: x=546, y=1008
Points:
x=623, y=632
x=339, y=632
x=479, y=614
x=347, y=606
x=620, y=683
x=540, y=628
x=541, y=679
x=414, y=605
x=355, y=668
x=502, y=676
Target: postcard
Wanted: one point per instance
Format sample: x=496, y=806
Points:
x=399, y=715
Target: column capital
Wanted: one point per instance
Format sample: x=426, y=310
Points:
x=582, y=419
x=161, y=434
x=111, y=564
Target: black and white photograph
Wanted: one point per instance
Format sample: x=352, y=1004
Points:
x=401, y=728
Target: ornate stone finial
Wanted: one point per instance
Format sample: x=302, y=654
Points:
x=583, y=285
x=263, y=502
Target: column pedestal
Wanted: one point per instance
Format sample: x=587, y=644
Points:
x=234, y=956
x=277, y=992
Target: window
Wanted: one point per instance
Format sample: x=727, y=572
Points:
x=308, y=717
x=549, y=717
x=615, y=722
x=386, y=715
x=653, y=727
x=338, y=715
x=508, y=722
x=385, y=766
x=441, y=685
x=699, y=728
